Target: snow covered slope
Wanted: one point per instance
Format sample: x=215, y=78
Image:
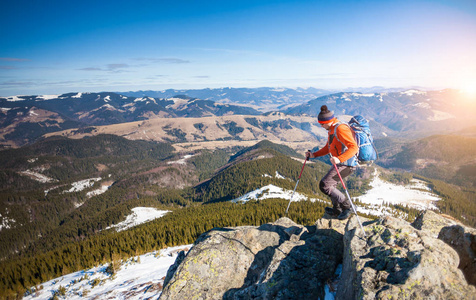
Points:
x=140, y=215
x=139, y=277
x=416, y=195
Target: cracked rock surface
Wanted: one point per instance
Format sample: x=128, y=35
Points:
x=431, y=258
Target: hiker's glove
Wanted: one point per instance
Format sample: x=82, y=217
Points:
x=335, y=160
x=308, y=154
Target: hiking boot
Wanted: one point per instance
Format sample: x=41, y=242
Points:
x=345, y=214
x=332, y=212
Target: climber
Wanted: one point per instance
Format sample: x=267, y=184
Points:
x=342, y=148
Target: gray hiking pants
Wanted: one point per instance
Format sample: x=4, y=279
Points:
x=329, y=183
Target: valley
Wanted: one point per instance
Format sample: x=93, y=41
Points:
x=188, y=134
x=163, y=171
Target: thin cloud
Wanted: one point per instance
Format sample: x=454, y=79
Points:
x=7, y=68
x=18, y=83
x=167, y=60
x=233, y=51
x=13, y=59
x=173, y=60
x=156, y=76
x=90, y=69
x=113, y=67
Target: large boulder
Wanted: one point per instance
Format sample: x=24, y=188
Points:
x=280, y=260
x=393, y=259
x=431, y=223
x=459, y=237
x=397, y=261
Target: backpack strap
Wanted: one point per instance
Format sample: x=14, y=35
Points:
x=334, y=135
x=344, y=147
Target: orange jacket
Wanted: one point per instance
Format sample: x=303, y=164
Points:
x=345, y=135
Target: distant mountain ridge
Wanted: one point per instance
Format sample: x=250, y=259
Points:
x=409, y=114
x=264, y=98
x=412, y=111
x=25, y=118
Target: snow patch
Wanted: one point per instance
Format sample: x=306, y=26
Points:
x=98, y=191
x=440, y=116
x=78, y=186
x=422, y=105
x=346, y=98
x=417, y=195
x=331, y=286
x=109, y=107
x=139, y=277
x=78, y=95
x=6, y=222
x=15, y=98
x=37, y=176
x=107, y=98
x=47, y=97
x=178, y=103
x=269, y=191
x=276, y=175
x=145, y=99
x=139, y=215
x=181, y=161
x=413, y=92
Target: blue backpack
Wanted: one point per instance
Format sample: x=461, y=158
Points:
x=361, y=130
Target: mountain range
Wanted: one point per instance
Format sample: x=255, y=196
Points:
x=76, y=165
x=24, y=119
x=264, y=99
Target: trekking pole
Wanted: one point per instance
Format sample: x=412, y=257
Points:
x=307, y=158
x=348, y=196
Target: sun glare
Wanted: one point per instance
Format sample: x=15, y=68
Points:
x=469, y=89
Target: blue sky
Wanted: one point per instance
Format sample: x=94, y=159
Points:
x=53, y=47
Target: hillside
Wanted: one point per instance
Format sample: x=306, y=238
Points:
x=451, y=158
x=188, y=134
x=50, y=184
x=414, y=113
x=316, y=251
x=26, y=118
x=72, y=190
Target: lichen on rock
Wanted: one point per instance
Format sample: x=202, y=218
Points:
x=284, y=260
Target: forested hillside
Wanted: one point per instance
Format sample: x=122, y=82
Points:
x=181, y=227
x=51, y=227
x=451, y=158
x=37, y=190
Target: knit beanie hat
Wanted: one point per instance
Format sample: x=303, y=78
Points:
x=325, y=116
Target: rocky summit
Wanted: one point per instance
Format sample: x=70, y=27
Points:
x=431, y=258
